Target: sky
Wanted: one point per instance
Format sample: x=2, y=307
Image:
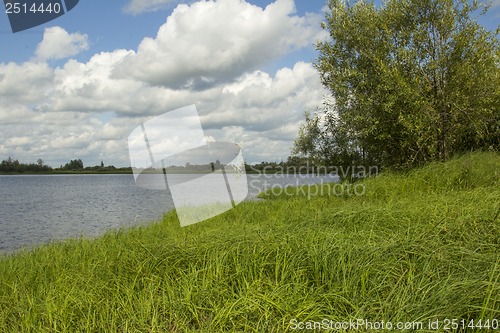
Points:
x=76, y=87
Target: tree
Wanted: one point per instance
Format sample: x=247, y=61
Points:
x=11, y=165
x=310, y=139
x=76, y=164
x=322, y=140
x=411, y=80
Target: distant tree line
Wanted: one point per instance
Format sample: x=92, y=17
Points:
x=14, y=166
x=77, y=166
x=11, y=165
x=292, y=164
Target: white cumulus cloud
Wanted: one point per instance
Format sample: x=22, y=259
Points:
x=57, y=43
x=210, y=42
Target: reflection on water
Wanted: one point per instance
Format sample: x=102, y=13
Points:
x=37, y=209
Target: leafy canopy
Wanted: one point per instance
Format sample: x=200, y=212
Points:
x=410, y=81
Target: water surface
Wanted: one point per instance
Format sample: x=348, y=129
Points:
x=37, y=209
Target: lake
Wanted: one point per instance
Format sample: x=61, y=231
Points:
x=36, y=209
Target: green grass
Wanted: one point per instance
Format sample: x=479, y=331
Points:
x=415, y=247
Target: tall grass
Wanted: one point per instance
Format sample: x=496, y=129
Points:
x=416, y=247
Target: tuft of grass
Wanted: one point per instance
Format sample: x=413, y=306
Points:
x=417, y=247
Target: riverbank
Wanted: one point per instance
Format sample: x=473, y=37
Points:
x=415, y=248
x=71, y=172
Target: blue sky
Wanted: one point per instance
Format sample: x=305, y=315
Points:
x=77, y=86
x=110, y=27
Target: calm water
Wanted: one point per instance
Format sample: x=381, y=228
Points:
x=37, y=209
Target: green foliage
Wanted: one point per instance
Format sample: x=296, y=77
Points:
x=76, y=164
x=411, y=81
x=417, y=247
x=14, y=166
x=323, y=141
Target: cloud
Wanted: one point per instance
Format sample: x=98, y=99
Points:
x=262, y=113
x=87, y=109
x=141, y=6
x=259, y=111
x=25, y=83
x=208, y=43
x=57, y=43
x=258, y=102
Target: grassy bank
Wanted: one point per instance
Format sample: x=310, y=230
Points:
x=413, y=248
